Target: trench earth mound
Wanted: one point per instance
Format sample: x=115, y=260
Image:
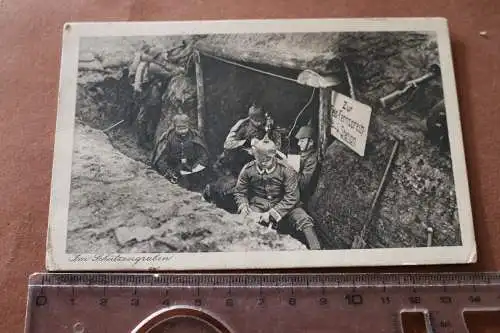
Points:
x=120, y=205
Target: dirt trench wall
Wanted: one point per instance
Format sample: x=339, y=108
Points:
x=417, y=194
x=105, y=94
x=419, y=190
x=380, y=62
x=102, y=100
x=109, y=101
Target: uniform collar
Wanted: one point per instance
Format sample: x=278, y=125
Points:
x=264, y=171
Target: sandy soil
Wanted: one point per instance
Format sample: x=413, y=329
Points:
x=120, y=205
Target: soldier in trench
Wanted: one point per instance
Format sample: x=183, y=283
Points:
x=267, y=192
x=152, y=74
x=308, y=169
x=180, y=152
x=237, y=146
x=237, y=152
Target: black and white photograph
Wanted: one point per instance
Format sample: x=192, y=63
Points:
x=258, y=144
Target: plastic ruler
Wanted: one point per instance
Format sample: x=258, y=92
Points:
x=244, y=303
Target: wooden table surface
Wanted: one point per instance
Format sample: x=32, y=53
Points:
x=30, y=45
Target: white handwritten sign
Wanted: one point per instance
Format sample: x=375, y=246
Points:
x=350, y=121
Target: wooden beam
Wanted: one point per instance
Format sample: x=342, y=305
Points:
x=200, y=94
x=324, y=120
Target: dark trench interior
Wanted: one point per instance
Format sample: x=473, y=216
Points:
x=230, y=90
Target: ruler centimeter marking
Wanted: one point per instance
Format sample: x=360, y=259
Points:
x=259, y=302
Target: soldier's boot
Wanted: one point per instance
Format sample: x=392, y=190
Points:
x=311, y=238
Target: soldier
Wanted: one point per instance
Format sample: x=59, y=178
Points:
x=181, y=152
x=308, y=162
x=267, y=189
x=437, y=129
x=138, y=58
x=237, y=146
x=151, y=76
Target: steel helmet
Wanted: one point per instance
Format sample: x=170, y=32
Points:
x=265, y=147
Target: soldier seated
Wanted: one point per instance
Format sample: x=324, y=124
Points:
x=181, y=154
x=237, y=146
x=267, y=191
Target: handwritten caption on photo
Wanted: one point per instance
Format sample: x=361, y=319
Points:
x=118, y=258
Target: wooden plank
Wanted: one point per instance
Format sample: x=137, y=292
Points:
x=200, y=93
x=323, y=120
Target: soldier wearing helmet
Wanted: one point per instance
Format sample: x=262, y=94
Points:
x=308, y=162
x=268, y=188
x=179, y=149
x=152, y=74
x=237, y=146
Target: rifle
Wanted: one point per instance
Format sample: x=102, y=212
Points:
x=390, y=99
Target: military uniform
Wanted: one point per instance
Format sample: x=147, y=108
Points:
x=307, y=173
x=181, y=149
x=274, y=191
x=173, y=148
x=241, y=134
x=308, y=162
x=238, y=141
x=149, y=84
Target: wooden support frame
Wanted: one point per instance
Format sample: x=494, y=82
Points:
x=324, y=120
x=200, y=94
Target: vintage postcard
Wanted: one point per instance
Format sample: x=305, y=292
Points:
x=258, y=144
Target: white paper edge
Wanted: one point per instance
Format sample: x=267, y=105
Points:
x=57, y=259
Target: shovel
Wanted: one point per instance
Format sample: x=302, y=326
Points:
x=359, y=241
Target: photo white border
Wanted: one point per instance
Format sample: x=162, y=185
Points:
x=58, y=260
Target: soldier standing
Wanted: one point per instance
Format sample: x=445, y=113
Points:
x=139, y=56
x=180, y=149
x=151, y=76
x=267, y=188
x=308, y=162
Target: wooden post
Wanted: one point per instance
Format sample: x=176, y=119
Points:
x=200, y=94
x=324, y=120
